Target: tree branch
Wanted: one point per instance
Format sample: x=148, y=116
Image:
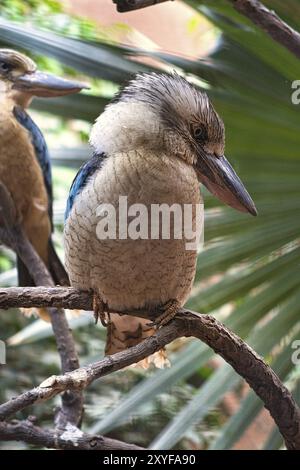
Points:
x=14, y=236
x=266, y=19
x=270, y=23
x=130, y=5
x=59, y=297
x=263, y=380
x=69, y=439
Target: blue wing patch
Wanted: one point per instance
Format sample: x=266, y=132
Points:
x=82, y=177
x=41, y=151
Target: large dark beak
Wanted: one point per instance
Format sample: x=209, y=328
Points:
x=219, y=177
x=46, y=85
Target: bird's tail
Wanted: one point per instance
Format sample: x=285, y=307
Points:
x=56, y=268
x=57, y=271
x=125, y=331
x=54, y=264
x=24, y=278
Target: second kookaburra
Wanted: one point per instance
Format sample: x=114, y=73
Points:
x=25, y=168
x=154, y=143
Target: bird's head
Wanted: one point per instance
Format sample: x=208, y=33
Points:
x=20, y=79
x=166, y=112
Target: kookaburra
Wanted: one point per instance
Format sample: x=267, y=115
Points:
x=154, y=143
x=24, y=159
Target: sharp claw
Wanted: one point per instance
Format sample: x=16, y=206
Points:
x=100, y=310
x=167, y=313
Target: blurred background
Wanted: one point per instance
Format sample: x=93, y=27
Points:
x=248, y=274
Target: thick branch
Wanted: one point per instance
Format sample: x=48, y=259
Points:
x=14, y=236
x=236, y=352
x=69, y=439
x=59, y=297
x=130, y=5
x=270, y=23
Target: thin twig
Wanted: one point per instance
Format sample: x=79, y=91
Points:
x=270, y=23
x=69, y=439
x=263, y=380
x=14, y=236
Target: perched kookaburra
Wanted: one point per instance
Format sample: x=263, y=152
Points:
x=154, y=143
x=24, y=159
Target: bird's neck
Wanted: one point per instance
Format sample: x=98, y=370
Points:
x=6, y=95
x=8, y=121
x=9, y=99
x=123, y=127
x=6, y=111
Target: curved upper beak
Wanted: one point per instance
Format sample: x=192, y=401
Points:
x=46, y=85
x=219, y=177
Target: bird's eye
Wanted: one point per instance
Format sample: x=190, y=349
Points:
x=199, y=133
x=5, y=67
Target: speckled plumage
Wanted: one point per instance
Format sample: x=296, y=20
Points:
x=132, y=273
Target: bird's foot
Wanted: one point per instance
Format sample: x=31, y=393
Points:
x=101, y=310
x=166, y=313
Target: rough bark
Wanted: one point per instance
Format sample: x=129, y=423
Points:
x=69, y=439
